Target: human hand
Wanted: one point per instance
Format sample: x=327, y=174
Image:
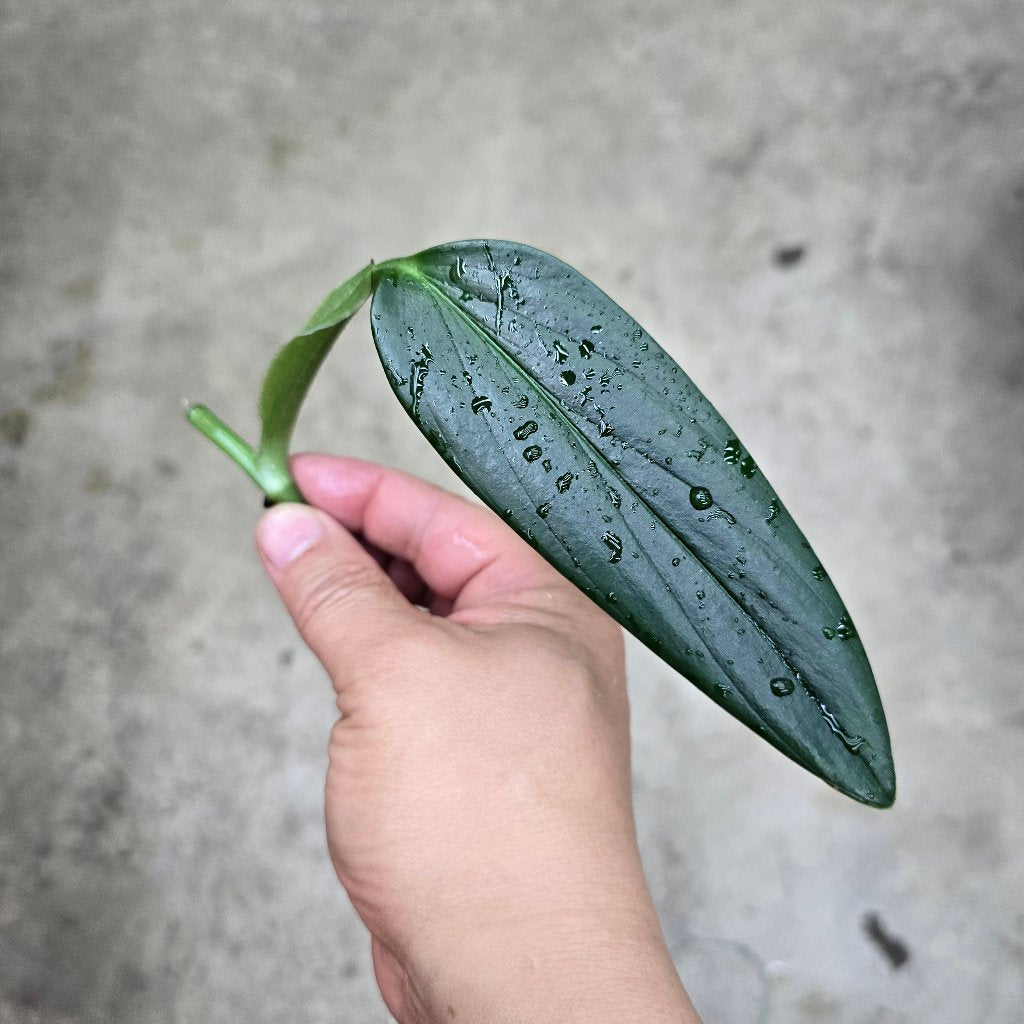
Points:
x=478, y=801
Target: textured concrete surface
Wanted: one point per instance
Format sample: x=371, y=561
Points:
x=818, y=208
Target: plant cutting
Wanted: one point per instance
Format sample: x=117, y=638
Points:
x=566, y=417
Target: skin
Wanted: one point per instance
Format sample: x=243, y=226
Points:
x=478, y=802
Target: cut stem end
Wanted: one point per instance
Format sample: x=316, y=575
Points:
x=276, y=483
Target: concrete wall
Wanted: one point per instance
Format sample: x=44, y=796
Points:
x=181, y=182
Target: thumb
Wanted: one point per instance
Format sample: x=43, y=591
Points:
x=341, y=600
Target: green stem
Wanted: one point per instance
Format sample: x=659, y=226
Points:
x=209, y=424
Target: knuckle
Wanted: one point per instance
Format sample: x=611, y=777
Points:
x=332, y=591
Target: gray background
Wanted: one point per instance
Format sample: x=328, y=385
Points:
x=183, y=181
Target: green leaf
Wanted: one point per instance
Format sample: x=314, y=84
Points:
x=567, y=418
x=284, y=389
x=290, y=375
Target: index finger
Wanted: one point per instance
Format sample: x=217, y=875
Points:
x=462, y=551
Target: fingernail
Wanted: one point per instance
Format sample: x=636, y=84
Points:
x=287, y=531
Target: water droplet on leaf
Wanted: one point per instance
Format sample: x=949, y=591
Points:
x=417, y=379
x=695, y=453
x=700, y=498
x=720, y=513
x=456, y=272
x=614, y=544
x=845, y=630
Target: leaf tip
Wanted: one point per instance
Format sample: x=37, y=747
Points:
x=880, y=791
x=886, y=795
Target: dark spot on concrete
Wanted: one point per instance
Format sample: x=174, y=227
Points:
x=52, y=684
x=96, y=481
x=935, y=87
x=985, y=76
x=51, y=964
x=70, y=361
x=132, y=979
x=112, y=794
x=166, y=467
x=992, y=288
x=27, y=996
x=101, y=805
x=81, y=289
x=740, y=161
x=786, y=256
x=894, y=949
x=1013, y=356
x=282, y=150
x=818, y=1007
x=290, y=826
x=350, y=970
x=14, y=425
x=8, y=473
x=285, y=658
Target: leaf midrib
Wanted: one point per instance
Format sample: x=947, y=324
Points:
x=672, y=472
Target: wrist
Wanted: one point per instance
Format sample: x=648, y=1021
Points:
x=567, y=964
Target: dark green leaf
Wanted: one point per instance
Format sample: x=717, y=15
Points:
x=569, y=420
